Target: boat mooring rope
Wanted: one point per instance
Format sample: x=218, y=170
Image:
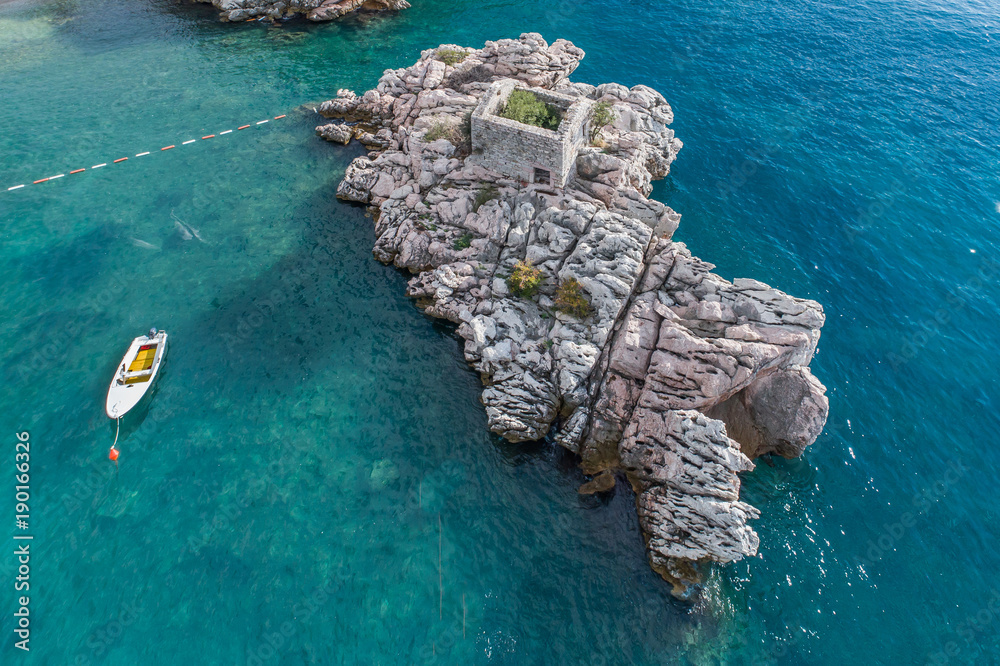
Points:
x=113, y=454
x=144, y=153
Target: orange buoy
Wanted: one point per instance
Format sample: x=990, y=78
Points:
x=113, y=454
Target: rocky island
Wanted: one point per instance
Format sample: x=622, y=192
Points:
x=314, y=10
x=518, y=199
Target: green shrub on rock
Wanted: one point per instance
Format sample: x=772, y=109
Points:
x=442, y=130
x=451, y=56
x=466, y=126
x=524, y=107
x=463, y=242
x=571, y=299
x=458, y=133
x=524, y=279
x=488, y=193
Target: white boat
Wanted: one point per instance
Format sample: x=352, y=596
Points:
x=136, y=373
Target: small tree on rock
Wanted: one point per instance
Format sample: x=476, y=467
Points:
x=601, y=117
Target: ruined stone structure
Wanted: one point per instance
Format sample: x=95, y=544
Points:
x=525, y=152
x=673, y=378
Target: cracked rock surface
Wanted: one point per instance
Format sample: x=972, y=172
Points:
x=674, y=376
x=314, y=10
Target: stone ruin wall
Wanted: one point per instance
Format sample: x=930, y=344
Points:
x=515, y=149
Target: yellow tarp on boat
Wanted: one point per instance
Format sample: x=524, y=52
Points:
x=144, y=359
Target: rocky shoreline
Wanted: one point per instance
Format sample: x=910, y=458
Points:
x=666, y=372
x=313, y=10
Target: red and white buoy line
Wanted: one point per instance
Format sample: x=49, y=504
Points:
x=142, y=154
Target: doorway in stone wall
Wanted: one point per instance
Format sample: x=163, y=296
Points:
x=542, y=177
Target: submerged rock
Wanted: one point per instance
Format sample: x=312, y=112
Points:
x=601, y=483
x=630, y=351
x=383, y=474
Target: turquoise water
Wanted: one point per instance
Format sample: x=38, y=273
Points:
x=313, y=482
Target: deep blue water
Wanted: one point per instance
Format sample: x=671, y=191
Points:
x=316, y=454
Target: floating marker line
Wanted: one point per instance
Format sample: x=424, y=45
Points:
x=142, y=154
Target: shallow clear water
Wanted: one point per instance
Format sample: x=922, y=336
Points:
x=316, y=454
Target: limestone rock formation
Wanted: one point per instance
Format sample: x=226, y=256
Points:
x=314, y=10
x=336, y=133
x=668, y=373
